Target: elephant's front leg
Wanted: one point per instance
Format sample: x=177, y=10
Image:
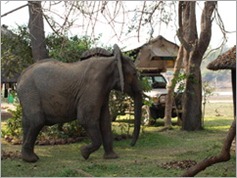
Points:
x=107, y=135
x=93, y=131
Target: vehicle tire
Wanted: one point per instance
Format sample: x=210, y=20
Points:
x=146, y=115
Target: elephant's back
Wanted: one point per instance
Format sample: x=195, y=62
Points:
x=40, y=73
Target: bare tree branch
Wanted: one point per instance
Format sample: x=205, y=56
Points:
x=140, y=21
x=66, y=18
x=206, y=24
x=14, y=10
x=51, y=26
x=221, y=26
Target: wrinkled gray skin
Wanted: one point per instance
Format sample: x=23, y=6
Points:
x=53, y=92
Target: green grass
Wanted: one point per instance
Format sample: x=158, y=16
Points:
x=145, y=159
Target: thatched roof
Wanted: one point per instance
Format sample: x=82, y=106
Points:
x=158, y=54
x=162, y=47
x=225, y=61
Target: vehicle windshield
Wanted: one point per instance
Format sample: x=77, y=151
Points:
x=156, y=81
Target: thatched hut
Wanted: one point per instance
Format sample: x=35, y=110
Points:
x=227, y=61
x=157, y=55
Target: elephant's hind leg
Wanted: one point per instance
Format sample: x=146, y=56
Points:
x=93, y=131
x=32, y=124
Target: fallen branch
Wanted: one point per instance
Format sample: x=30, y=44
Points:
x=224, y=155
x=86, y=174
x=165, y=128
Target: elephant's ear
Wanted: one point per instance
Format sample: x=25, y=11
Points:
x=118, y=57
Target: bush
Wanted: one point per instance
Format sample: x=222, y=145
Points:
x=62, y=131
x=13, y=125
x=118, y=104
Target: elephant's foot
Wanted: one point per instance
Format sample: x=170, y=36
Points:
x=29, y=156
x=85, y=153
x=111, y=155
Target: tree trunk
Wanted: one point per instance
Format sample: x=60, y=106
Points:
x=170, y=95
x=36, y=26
x=192, y=114
x=194, y=51
x=233, y=81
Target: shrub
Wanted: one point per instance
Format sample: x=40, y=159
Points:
x=13, y=125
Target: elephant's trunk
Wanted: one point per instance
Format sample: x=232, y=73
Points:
x=137, y=120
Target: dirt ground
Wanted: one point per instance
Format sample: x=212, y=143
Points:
x=5, y=106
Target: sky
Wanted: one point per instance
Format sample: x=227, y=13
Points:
x=227, y=10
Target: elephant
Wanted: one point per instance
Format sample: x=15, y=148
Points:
x=52, y=92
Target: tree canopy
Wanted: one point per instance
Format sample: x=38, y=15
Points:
x=15, y=52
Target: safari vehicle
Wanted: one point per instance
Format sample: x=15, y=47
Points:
x=158, y=96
